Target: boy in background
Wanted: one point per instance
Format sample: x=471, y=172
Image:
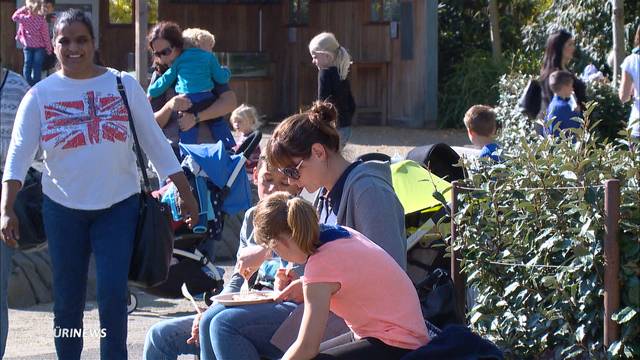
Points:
x=560, y=114
x=482, y=126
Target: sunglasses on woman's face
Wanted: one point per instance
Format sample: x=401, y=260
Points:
x=164, y=52
x=292, y=172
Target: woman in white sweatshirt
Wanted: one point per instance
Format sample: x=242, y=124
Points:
x=90, y=182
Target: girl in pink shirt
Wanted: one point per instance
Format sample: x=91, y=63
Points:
x=33, y=34
x=345, y=273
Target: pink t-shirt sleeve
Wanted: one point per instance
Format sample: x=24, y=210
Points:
x=376, y=298
x=320, y=269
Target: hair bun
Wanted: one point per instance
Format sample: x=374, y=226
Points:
x=323, y=112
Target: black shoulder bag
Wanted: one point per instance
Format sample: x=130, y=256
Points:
x=531, y=99
x=153, y=244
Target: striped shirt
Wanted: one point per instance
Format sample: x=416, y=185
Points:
x=12, y=88
x=33, y=30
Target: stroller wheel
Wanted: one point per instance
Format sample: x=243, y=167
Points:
x=132, y=303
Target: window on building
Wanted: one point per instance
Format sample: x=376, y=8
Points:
x=385, y=10
x=298, y=12
x=121, y=11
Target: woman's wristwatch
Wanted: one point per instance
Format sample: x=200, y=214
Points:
x=196, y=118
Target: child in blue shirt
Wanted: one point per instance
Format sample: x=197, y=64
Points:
x=482, y=126
x=196, y=70
x=560, y=113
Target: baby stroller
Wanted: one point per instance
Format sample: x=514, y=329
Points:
x=219, y=181
x=423, y=196
x=440, y=159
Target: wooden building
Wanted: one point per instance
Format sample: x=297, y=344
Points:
x=393, y=44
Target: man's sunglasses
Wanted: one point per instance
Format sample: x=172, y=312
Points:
x=164, y=52
x=292, y=172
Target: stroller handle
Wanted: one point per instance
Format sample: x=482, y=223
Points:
x=249, y=144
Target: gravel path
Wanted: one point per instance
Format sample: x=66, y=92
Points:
x=30, y=333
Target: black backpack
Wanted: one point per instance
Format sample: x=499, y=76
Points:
x=428, y=269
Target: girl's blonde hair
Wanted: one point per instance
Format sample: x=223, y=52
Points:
x=34, y=5
x=199, y=38
x=246, y=112
x=327, y=43
x=284, y=214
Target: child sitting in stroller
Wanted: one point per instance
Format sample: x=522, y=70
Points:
x=173, y=337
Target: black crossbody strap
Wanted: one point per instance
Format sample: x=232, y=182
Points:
x=4, y=79
x=138, y=150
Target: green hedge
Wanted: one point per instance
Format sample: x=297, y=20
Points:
x=534, y=251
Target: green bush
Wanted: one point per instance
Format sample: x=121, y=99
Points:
x=611, y=113
x=514, y=125
x=534, y=250
x=472, y=81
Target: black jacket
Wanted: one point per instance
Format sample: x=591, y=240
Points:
x=337, y=92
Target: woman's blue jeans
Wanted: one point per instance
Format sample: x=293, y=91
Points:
x=73, y=235
x=242, y=332
x=5, y=272
x=33, y=60
x=167, y=339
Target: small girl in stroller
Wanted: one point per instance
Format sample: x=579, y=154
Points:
x=245, y=120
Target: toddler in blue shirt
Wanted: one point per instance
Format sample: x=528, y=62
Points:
x=195, y=72
x=482, y=126
x=560, y=113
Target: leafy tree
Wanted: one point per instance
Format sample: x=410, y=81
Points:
x=466, y=75
x=121, y=11
x=590, y=23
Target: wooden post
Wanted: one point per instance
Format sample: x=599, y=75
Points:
x=494, y=21
x=611, y=259
x=141, y=21
x=617, y=19
x=431, y=61
x=11, y=57
x=456, y=277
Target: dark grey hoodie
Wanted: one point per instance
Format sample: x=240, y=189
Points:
x=370, y=206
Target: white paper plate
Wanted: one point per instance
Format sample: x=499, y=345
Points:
x=237, y=298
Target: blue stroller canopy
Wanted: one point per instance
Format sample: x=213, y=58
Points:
x=219, y=165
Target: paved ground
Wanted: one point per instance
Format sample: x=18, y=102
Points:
x=30, y=334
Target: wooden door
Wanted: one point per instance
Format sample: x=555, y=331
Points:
x=370, y=90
